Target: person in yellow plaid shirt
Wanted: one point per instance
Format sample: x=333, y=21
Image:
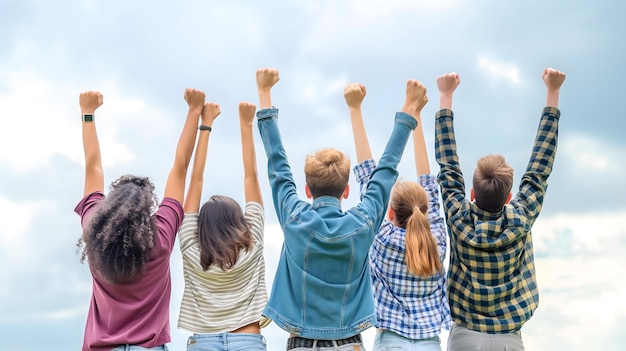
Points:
x=492, y=286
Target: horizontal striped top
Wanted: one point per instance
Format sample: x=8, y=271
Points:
x=216, y=300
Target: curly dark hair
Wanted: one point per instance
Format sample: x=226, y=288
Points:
x=120, y=236
x=222, y=232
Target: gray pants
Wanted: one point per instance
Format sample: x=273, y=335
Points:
x=463, y=339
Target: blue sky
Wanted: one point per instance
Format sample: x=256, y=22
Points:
x=142, y=55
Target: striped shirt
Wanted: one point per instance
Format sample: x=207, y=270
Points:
x=491, y=280
x=414, y=307
x=216, y=300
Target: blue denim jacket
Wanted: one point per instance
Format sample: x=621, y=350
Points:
x=322, y=286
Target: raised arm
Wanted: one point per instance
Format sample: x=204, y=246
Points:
x=252, y=189
x=89, y=101
x=210, y=111
x=553, y=80
x=419, y=143
x=376, y=197
x=354, y=93
x=534, y=183
x=175, y=185
x=450, y=176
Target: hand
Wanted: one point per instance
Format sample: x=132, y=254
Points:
x=354, y=93
x=210, y=111
x=447, y=83
x=553, y=78
x=416, y=97
x=89, y=101
x=246, y=112
x=195, y=99
x=266, y=78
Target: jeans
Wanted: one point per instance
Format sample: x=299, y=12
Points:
x=226, y=342
x=390, y=341
x=463, y=339
x=139, y=348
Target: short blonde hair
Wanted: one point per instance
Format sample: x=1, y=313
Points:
x=493, y=180
x=327, y=172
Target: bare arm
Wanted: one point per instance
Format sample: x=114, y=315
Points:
x=553, y=80
x=175, y=185
x=89, y=101
x=210, y=111
x=354, y=93
x=419, y=144
x=252, y=189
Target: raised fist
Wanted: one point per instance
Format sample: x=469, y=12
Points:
x=354, y=93
x=246, y=112
x=210, y=111
x=416, y=97
x=266, y=78
x=195, y=98
x=448, y=82
x=89, y=101
x=553, y=78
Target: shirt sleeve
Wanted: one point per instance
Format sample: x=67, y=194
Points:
x=255, y=216
x=534, y=183
x=188, y=235
x=362, y=173
x=450, y=176
x=284, y=194
x=87, y=206
x=168, y=218
x=437, y=224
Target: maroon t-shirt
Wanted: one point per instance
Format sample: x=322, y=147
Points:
x=135, y=313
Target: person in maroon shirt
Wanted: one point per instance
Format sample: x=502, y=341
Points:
x=127, y=244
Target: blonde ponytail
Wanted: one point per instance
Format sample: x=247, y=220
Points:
x=410, y=204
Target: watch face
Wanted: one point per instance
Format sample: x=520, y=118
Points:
x=87, y=118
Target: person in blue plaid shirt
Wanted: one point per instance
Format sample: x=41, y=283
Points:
x=407, y=255
x=492, y=286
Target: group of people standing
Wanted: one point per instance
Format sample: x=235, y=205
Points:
x=378, y=264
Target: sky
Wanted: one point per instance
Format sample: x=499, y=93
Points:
x=142, y=55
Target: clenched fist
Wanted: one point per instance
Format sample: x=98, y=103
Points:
x=194, y=98
x=246, y=112
x=553, y=78
x=89, y=101
x=210, y=111
x=416, y=97
x=354, y=93
x=266, y=78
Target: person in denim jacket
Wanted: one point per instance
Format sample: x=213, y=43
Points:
x=408, y=253
x=322, y=292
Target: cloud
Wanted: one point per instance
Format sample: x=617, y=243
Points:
x=500, y=70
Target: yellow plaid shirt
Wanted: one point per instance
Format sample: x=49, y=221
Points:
x=492, y=286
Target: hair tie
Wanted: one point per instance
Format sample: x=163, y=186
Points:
x=416, y=209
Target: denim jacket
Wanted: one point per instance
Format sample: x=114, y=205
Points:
x=322, y=286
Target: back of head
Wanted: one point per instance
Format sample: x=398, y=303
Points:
x=493, y=180
x=327, y=172
x=222, y=232
x=409, y=201
x=118, y=240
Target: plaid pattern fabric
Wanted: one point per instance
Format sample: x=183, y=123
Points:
x=491, y=279
x=413, y=307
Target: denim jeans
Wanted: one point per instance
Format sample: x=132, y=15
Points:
x=139, y=348
x=390, y=341
x=226, y=342
x=463, y=339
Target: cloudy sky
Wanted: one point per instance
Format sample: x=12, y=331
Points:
x=142, y=55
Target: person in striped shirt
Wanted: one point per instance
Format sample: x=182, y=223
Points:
x=222, y=249
x=492, y=285
x=407, y=255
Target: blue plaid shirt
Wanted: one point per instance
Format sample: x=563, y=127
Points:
x=491, y=279
x=414, y=307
